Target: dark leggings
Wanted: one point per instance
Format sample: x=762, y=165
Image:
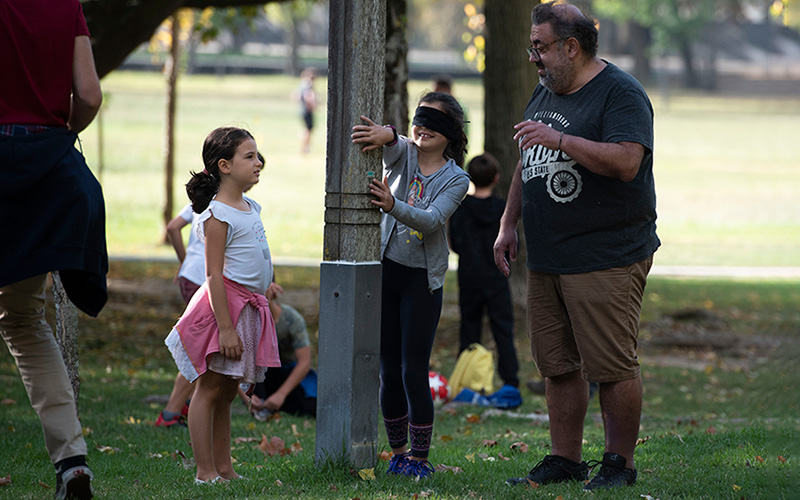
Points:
x=409, y=317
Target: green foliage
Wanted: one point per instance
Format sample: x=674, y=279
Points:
x=671, y=21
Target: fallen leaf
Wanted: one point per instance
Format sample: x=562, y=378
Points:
x=736, y=487
x=385, y=455
x=186, y=463
x=45, y=485
x=450, y=411
x=532, y=484
x=271, y=447
x=485, y=457
x=473, y=418
x=711, y=430
x=446, y=438
x=107, y=449
x=296, y=447
x=294, y=430
x=781, y=459
x=502, y=457
x=332, y=487
x=7, y=402
x=450, y=468
x=648, y=497
x=560, y=497
x=278, y=482
x=367, y=474
x=642, y=440
x=760, y=460
x=489, y=443
x=5, y=481
x=520, y=447
x=470, y=457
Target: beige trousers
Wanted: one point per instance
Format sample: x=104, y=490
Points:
x=30, y=340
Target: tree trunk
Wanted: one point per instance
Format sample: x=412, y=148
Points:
x=350, y=276
x=67, y=334
x=294, y=43
x=173, y=70
x=690, y=78
x=640, y=42
x=508, y=82
x=395, y=100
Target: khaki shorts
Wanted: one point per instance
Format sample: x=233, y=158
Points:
x=587, y=322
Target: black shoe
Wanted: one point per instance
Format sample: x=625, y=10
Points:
x=74, y=484
x=612, y=473
x=553, y=469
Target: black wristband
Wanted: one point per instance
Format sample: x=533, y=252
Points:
x=394, y=131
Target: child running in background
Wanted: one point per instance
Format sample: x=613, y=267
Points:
x=423, y=185
x=227, y=334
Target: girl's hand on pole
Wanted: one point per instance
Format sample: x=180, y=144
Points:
x=381, y=190
x=371, y=134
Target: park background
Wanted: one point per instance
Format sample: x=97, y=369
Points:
x=720, y=320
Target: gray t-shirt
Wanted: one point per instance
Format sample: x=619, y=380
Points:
x=292, y=333
x=577, y=221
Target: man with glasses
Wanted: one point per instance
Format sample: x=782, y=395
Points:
x=584, y=187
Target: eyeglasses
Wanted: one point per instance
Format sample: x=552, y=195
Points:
x=537, y=51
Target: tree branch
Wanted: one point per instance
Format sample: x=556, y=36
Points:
x=119, y=27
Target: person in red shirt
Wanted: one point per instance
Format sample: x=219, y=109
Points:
x=50, y=92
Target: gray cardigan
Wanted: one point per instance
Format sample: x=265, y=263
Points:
x=447, y=189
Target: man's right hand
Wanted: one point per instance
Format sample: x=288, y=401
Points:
x=506, y=243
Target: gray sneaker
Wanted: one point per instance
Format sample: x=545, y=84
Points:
x=553, y=469
x=262, y=415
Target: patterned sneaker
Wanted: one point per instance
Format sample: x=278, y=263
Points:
x=553, y=469
x=178, y=421
x=612, y=473
x=418, y=469
x=397, y=463
x=75, y=484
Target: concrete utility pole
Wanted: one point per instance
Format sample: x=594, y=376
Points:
x=350, y=274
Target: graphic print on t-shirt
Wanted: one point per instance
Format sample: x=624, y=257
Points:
x=563, y=182
x=261, y=238
x=416, y=198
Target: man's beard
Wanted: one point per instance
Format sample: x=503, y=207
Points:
x=558, y=77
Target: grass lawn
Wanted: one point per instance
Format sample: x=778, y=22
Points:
x=726, y=168
x=720, y=418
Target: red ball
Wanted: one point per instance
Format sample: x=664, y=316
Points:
x=440, y=388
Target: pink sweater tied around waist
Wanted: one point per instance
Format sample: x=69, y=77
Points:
x=200, y=334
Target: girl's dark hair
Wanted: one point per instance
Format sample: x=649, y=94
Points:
x=220, y=144
x=456, y=148
x=567, y=24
